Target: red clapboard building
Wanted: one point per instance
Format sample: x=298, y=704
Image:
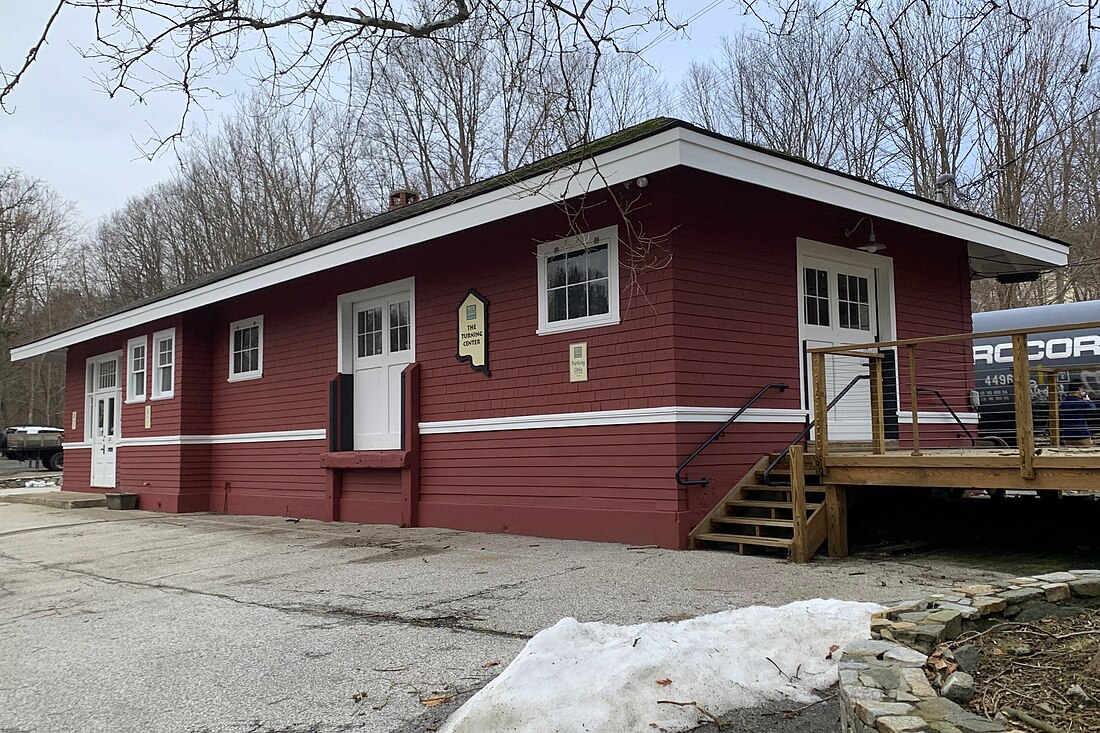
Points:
x=533, y=354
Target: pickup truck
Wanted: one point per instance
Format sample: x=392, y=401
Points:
x=34, y=442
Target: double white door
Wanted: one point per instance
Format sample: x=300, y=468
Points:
x=838, y=308
x=383, y=347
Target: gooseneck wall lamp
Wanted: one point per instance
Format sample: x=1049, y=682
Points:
x=873, y=245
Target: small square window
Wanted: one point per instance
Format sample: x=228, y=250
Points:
x=246, y=349
x=579, y=282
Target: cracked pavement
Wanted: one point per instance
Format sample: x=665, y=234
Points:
x=135, y=621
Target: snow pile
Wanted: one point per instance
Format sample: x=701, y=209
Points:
x=602, y=678
x=38, y=483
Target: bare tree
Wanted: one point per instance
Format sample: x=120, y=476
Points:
x=305, y=48
x=475, y=103
x=37, y=228
x=807, y=93
x=265, y=179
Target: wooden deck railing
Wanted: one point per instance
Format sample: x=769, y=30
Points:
x=900, y=371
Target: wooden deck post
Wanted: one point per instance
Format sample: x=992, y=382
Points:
x=878, y=415
x=836, y=512
x=1021, y=385
x=799, y=549
x=821, y=411
x=913, y=405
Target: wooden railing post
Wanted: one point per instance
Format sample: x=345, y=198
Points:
x=1021, y=386
x=878, y=414
x=799, y=549
x=913, y=406
x=821, y=411
x=1053, y=404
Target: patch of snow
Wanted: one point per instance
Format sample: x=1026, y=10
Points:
x=37, y=483
x=602, y=678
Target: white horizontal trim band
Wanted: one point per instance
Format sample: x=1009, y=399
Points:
x=641, y=416
x=938, y=418
x=272, y=437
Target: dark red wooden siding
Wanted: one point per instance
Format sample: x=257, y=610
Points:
x=712, y=325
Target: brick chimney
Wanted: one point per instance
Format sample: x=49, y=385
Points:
x=403, y=197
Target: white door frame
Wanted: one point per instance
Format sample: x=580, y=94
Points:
x=345, y=321
x=104, y=453
x=886, y=310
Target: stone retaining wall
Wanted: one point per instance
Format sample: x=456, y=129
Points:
x=898, y=682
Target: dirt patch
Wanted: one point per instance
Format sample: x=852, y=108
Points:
x=783, y=717
x=786, y=717
x=395, y=550
x=400, y=553
x=1041, y=669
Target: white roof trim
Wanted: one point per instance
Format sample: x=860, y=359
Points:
x=770, y=171
x=677, y=146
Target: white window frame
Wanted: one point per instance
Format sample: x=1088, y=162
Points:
x=886, y=315
x=345, y=319
x=91, y=389
x=142, y=341
x=158, y=337
x=258, y=322
x=569, y=244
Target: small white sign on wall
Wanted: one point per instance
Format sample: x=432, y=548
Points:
x=578, y=362
x=148, y=416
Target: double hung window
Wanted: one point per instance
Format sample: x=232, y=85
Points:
x=164, y=364
x=137, y=361
x=579, y=282
x=246, y=349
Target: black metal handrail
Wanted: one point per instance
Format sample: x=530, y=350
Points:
x=717, y=435
x=806, y=431
x=933, y=390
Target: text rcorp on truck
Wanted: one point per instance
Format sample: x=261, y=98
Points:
x=1073, y=355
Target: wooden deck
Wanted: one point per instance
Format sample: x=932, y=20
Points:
x=1054, y=469
x=764, y=510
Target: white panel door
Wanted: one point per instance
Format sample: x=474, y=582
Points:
x=838, y=308
x=105, y=405
x=383, y=347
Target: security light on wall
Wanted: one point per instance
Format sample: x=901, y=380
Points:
x=872, y=245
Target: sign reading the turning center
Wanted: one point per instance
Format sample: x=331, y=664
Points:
x=473, y=331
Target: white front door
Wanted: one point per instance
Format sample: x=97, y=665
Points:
x=104, y=405
x=839, y=307
x=383, y=347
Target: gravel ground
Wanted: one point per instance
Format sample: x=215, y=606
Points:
x=134, y=621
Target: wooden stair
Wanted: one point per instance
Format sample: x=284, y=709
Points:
x=754, y=516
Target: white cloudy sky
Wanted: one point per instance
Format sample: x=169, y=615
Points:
x=66, y=130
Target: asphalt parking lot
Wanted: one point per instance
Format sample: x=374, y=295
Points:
x=10, y=469
x=134, y=621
